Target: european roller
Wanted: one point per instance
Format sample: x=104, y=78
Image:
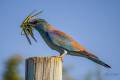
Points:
x=56, y=39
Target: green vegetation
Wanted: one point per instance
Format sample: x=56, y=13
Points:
x=11, y=68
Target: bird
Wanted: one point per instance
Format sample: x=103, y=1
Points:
x=56, y=39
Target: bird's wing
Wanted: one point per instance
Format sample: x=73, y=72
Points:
x=63, y=40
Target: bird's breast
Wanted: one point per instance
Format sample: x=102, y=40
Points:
x=49, y=42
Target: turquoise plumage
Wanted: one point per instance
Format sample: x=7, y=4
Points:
x=56, y=39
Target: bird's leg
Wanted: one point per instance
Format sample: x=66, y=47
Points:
x=62, y=55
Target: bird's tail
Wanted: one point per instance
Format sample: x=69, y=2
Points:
x=93, y=58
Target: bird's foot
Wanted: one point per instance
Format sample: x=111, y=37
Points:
x=59, y=57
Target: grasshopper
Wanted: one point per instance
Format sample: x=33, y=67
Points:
x=27, y=29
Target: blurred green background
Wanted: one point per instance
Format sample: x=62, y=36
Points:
x=93, y=23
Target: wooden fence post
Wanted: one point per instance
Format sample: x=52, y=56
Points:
x=43, y=68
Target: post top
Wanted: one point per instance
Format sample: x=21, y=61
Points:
x=45, y=58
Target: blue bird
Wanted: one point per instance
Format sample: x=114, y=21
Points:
x=56, y=39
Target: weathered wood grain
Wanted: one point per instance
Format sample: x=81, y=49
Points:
x=43, y=68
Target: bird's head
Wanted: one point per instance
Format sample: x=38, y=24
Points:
x=28, y=24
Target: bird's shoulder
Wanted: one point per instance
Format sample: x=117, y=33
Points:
x=58, y=34
x=63, y=39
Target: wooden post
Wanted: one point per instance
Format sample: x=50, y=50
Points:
x=43, y=68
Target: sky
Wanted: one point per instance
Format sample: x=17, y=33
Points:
x=95, y=24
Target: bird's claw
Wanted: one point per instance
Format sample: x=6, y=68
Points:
x=59, y=57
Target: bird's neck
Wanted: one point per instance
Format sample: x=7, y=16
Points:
x=44, y=27
x=41, y=27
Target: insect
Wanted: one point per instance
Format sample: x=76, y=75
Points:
x=27, y=29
